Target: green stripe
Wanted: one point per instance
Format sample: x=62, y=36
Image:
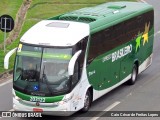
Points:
x=30, y=54
x=45, y=55
x=57, y=56
x=47, y=99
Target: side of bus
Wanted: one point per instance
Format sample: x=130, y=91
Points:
x=118, y=53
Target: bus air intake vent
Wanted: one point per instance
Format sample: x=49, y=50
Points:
x=71, y=18
x=86, y=20
x=78, y=19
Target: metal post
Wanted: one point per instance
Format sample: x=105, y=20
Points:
x=5, y=34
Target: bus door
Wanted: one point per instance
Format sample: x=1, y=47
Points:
x=106, y=80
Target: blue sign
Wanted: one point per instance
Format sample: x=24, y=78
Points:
x=36, y=87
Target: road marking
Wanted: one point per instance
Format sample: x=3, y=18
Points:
x=142, y=1
x=157, y=33
x=11, y=110
x=5, y=83
x=107, y=109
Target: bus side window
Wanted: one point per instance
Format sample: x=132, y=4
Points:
x=95, y=46
x=107, y=43
x=75, y=76
x=82, y=46
x=149, y=18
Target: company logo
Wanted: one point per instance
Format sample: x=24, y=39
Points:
x=121, y=53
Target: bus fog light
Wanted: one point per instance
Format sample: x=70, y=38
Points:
x=17, y=98
x=61, y=102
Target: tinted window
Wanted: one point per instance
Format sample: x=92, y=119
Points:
x=116, y=35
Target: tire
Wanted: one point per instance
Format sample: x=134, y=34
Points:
x=133, y=75
x=87, y=102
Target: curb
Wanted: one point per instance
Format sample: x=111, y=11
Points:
x=6, y=75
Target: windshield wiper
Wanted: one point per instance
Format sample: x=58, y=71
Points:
x=44, y=78
x=29, y=79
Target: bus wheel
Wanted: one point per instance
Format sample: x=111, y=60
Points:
x=133, y=76
x=87, y=102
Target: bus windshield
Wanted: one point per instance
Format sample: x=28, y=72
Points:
x=42, y=71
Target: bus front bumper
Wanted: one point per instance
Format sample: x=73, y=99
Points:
x=57, y=109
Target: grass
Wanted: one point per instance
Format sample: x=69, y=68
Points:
x=40, y=10
x=9, y=7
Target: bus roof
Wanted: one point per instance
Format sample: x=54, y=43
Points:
x=107, y=14
x=56, y=33
x=78, y=24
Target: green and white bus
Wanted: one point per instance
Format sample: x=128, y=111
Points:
x=66, y=62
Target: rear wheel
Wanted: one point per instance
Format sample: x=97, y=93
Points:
x=87, y=102
x=133, y=75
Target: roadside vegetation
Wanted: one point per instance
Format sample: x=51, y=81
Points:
x=38, y=11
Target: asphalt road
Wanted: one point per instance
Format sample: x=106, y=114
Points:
x=143, y=96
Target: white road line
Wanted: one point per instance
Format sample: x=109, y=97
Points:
x=107, y=109
x=142, y=1
x=5, y=83
x=157, y=33
x=11, y=110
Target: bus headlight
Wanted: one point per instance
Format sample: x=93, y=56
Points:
x=69, y=98
x=65, y=100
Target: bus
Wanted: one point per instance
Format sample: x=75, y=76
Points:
x=68, y=61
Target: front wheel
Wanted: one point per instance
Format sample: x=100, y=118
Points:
x=87, y=102
x=133, y=75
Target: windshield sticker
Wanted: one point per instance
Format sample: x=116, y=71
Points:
x=36, y=87
x=19, y=48
x=30, y=54
x=58, y=56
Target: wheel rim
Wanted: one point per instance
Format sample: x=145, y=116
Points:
x=86, y=101
x=134, y=74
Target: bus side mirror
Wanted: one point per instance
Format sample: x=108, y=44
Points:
x=72, y=62
x=6, y=58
